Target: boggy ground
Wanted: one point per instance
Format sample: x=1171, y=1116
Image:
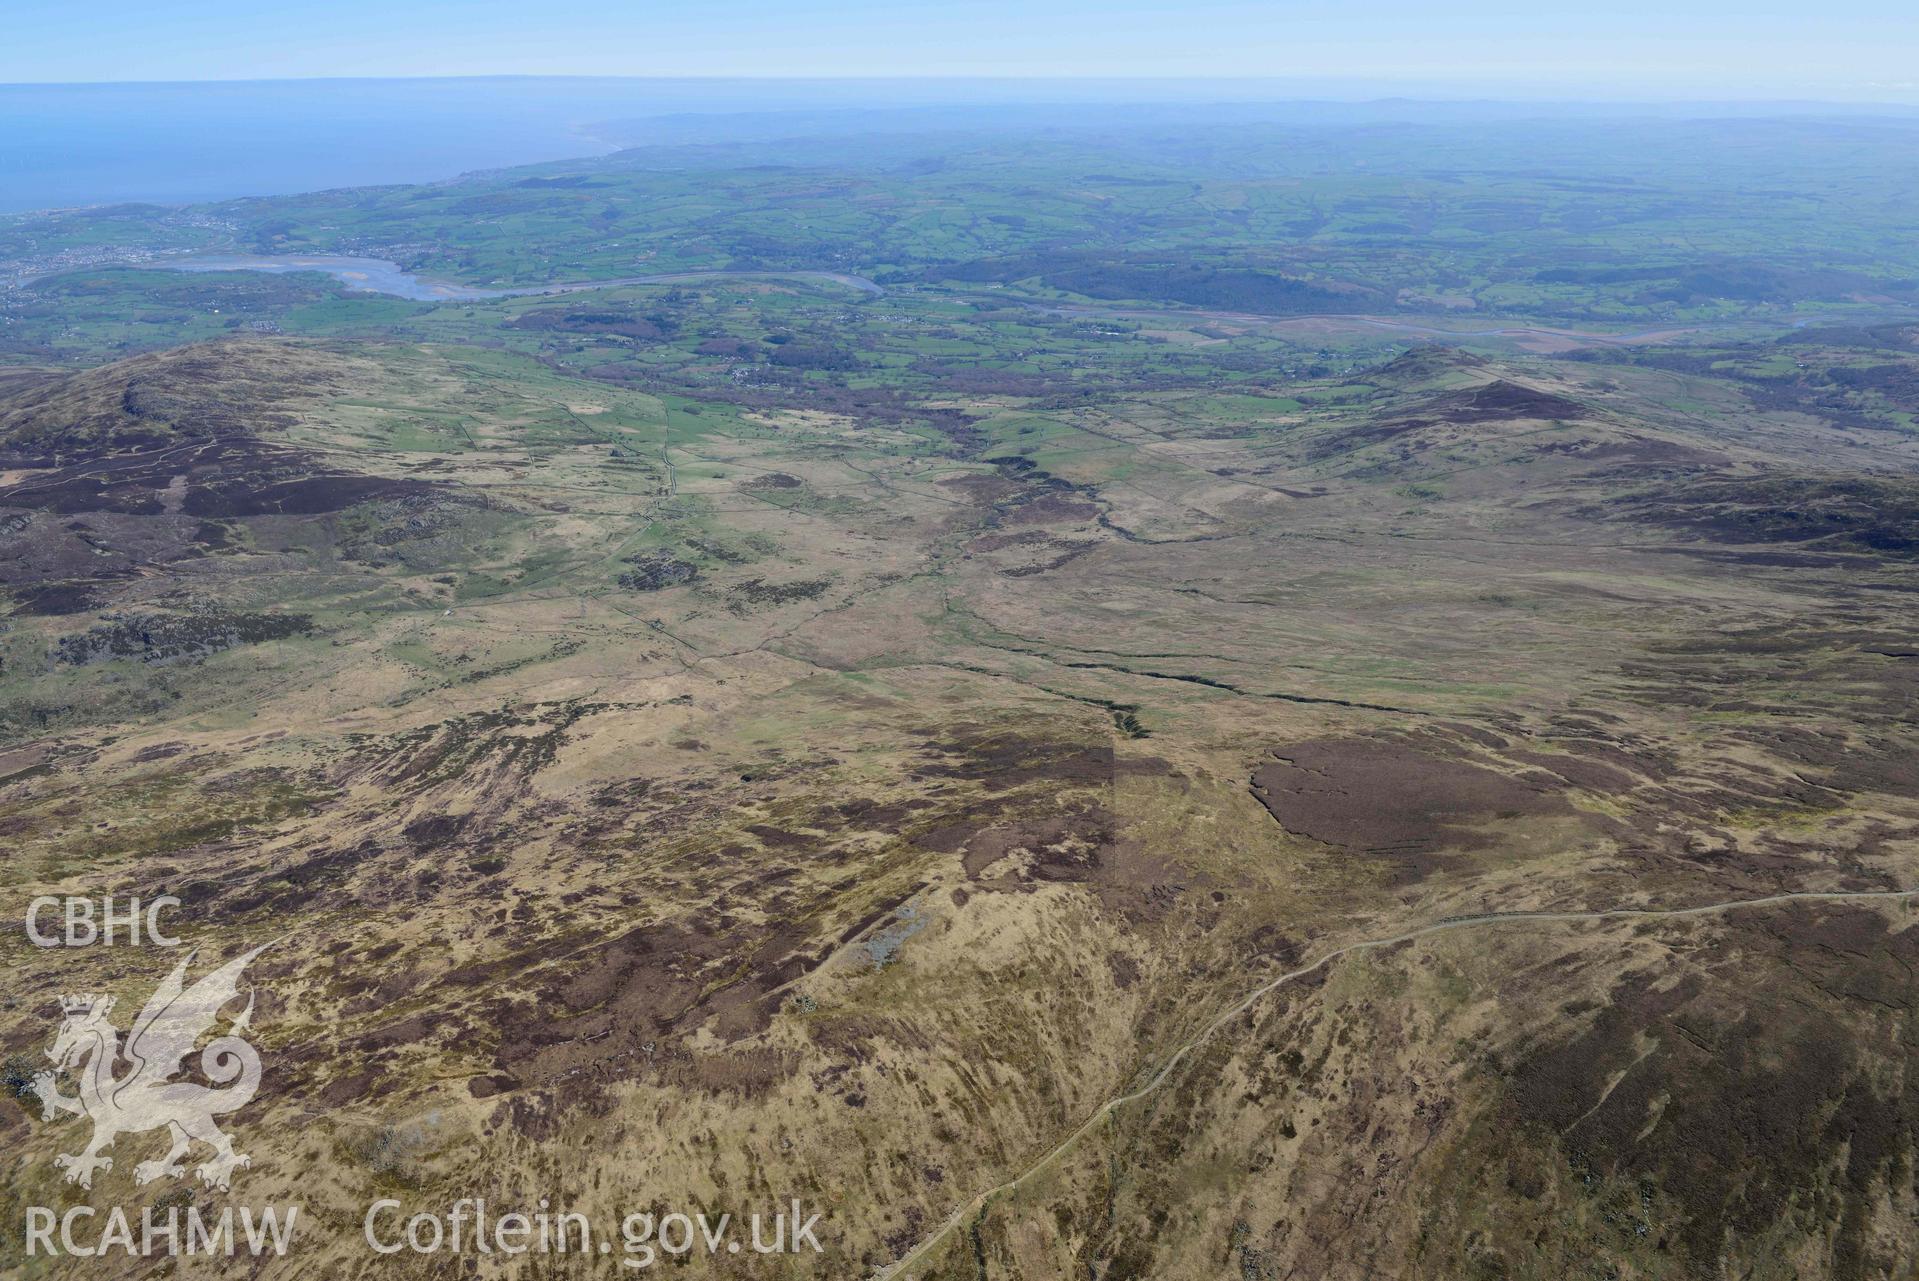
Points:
x=655, y=803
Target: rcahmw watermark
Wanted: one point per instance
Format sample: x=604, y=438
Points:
x=86, y=1233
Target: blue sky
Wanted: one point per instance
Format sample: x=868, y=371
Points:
x=1613, y=48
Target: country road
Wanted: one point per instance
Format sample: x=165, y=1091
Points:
x=897, y=1271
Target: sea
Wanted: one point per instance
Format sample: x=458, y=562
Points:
x=68, y=145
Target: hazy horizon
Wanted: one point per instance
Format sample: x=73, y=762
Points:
x=1713, y=49
x=1099, y=87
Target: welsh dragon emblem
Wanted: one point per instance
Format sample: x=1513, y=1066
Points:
x=145, y=1096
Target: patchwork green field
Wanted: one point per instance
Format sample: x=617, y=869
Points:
x=1314, y=705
